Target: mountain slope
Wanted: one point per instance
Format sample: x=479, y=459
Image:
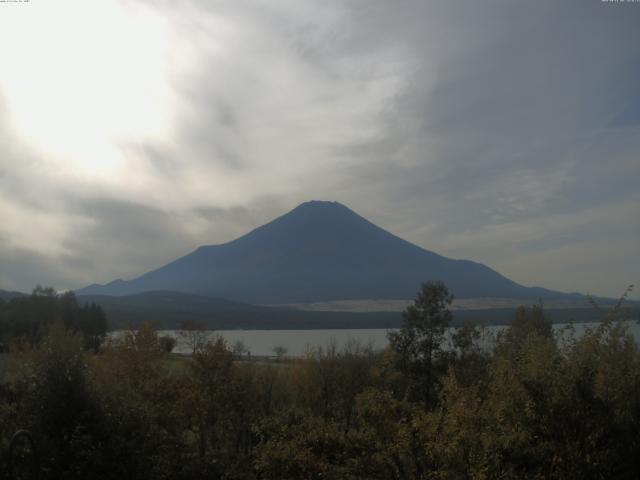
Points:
x=318, y=251
x=167, y=309
x=7, y=295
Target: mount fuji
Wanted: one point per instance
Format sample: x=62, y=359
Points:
x=319, y=251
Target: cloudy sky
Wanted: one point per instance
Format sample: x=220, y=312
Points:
x=506, y=132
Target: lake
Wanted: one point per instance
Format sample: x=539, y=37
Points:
x=297, y=342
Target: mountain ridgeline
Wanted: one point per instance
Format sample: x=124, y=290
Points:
x=317, y=252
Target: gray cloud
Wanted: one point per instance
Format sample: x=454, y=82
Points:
x=504, y=132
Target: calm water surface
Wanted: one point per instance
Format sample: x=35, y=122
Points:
x=298, y=342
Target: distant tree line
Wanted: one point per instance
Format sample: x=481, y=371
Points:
x=530, y=403
x=26, y=319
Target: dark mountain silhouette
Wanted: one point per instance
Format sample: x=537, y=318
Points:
x=319, y=251
x=7, y=295
x=166, y=309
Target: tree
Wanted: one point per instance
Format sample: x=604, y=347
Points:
x=195, y=335
x=28, y=318
x=212, y=370
x=40, y=291
x=279, y=351
x=526, y=322
x=465, y=339
x=240, y=348
x=64, y=411
x=418, y=343
x=167, y=343
x=470, y=360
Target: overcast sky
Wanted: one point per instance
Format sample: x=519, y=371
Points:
x=506, y=132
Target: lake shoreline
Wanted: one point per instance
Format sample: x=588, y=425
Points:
x=297, y=342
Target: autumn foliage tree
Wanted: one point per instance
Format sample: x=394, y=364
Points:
x=537, y=402
x=418, y=344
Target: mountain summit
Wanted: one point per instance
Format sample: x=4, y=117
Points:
x=318, y=251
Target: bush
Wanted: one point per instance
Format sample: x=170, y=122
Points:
x=167, y=343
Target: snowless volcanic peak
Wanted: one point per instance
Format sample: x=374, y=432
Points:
x=319, y=251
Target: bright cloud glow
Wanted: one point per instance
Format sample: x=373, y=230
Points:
x=134, y=131
x=78, y=78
